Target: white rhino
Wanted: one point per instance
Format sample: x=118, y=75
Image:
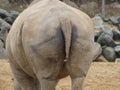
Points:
x=48, y=41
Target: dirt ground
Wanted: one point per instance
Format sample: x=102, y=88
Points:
x=101, y=76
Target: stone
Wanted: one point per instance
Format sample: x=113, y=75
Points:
x=3, y=54
x=3, y=13
x=101, y=59
x=103, y=17
x=116, y=34
x=1, y=44
x=113, y=20
x=9, y=20
x=97, y=34
x=106, y=40
x=118, y=18
x=117, y=50
x=119, y=26
x=98, y=23
x=109, y=54
x=117, y=60
x=14, y=14
x=4, y=29
x=107, y=30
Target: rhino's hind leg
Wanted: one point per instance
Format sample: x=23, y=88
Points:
x=16, y=85
x=21, y=80
x=78, y=72
x=81, y=56
x=47, y=84
x=47, y=72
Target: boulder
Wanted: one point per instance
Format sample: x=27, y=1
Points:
x=117, y=60
x=1, y=44
x=119, y=26
x=117, y=50
x=4, y=25
x=9, y=20
x=105, y=37
x=4, y=28
x=3, y=54
x=103, y=17
x=97, y=34
x=98, y=23
x=107, y=30
x=14, y=14
x=101, y=58
x=3, y=13
x=116, y=34
x=118, y=18
x=114, y=20
x=109, y=53
x=106, y=40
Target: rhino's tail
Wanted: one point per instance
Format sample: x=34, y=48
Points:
x=67, y=32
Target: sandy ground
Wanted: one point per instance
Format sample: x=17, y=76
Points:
x=101, y=76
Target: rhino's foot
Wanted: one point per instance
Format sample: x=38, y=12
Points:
x=77, y=83
x=22, y=81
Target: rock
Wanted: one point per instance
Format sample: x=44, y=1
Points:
x=3, y=13
x=117, y=42
x=107, y=30
x=106, y=37
x=98, y=23
x=116, y=34
x=14, y=14
x=118, y=18
x=9, y=20
x=4, y=29
x=3, y=54
x=1, y=44
x=4, y=25
x=109, y=54
x=101, y=59
x=117, y=50
x=97, y=34
x=103, y=17
x=119, y=26
x=106, y=40
x=113, y=20
x=117, y=60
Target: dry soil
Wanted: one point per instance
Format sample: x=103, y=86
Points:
x=101, y=76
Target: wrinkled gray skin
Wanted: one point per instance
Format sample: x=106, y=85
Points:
x=48, y=41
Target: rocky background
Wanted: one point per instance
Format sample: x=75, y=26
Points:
x=6, y=21
x=107, y=28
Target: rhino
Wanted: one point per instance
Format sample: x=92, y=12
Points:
x=48, y=41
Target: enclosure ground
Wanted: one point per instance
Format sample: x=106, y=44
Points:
x=101, y=76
